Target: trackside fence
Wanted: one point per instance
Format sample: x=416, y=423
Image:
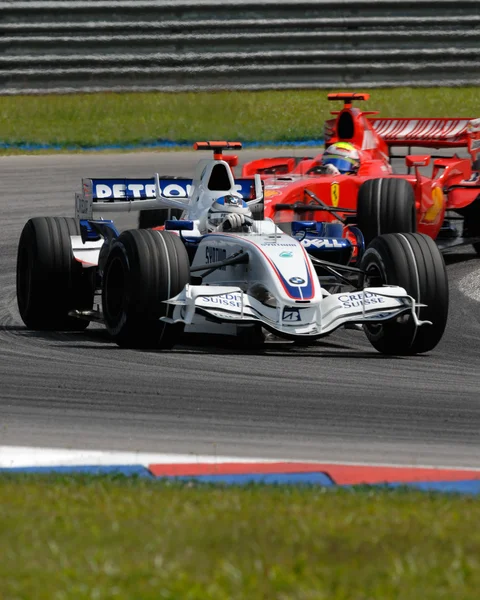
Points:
x=173, y=45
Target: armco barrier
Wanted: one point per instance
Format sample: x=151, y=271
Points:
x=172, y=45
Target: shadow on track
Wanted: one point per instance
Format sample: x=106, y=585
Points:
x=211, y=344
x=453, y=258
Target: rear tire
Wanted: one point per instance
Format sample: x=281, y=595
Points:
x=412, y=261
x=50, y=282
x=143, y=268
x=386, y=205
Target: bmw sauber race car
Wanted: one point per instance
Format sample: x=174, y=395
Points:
x=365, y=191
x=216, y=269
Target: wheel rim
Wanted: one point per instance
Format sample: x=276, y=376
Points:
x=375, y=277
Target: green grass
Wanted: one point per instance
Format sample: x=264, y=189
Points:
x=93, y=537
x=111, y=118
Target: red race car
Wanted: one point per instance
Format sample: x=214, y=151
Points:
x=353, y=182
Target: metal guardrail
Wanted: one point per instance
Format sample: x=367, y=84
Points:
x=173, y=45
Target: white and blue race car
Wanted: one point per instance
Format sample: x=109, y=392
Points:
x=153, y=284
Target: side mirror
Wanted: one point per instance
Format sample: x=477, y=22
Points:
x=417, y=160
x=179, y=225
x=231, y=160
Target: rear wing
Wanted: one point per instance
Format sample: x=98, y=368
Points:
x=125, y=195
x=430, y=133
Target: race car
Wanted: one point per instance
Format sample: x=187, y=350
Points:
x=219, y=270
x=365, y=190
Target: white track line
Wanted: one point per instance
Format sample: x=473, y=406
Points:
x=22, y=456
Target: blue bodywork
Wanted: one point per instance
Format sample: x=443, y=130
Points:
x=116, y=190
x=93, y=230
x=324, y=240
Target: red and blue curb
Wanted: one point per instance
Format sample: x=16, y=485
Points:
x=237, y=472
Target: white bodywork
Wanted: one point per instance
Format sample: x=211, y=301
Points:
x=275, y=286
x=199, y=199
x=278, y=288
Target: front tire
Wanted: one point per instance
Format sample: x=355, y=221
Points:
x=412, y=261
x=386, y=205
x=143, y=268
x=50, y=282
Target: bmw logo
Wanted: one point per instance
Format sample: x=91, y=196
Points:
x=296, y=280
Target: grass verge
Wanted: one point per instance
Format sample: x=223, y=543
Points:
x=133, y=118
x=106, y=537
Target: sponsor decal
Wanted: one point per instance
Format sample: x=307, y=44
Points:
x=132, y=191
x=223, y=300
x=296, y=280
x=215, y=254
x=436, y=208
x=335, y=193
x=286, y=254
x=279, y=244
x=319, y=243
x=271, y=193
x=291, y=314
x=358, y=299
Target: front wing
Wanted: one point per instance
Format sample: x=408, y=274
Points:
x=229, y=304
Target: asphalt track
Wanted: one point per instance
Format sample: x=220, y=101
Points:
x=338, y=400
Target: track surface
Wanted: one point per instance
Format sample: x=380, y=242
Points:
x=336, y=401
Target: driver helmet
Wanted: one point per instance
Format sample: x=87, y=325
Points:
x=342, y=155
x=223, y=206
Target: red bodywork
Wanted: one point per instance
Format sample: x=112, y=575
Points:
x=452, y=185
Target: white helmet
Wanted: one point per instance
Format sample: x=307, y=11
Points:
x=223, y=207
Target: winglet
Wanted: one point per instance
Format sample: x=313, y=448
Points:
x=348, y=97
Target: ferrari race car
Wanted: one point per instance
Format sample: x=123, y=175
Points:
x=444, y=206
x=152, y=284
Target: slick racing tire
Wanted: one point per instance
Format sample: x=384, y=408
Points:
x=148, y=219
x=50, y=282
x=412, y=261
x=144, y=267
x=386, y=205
